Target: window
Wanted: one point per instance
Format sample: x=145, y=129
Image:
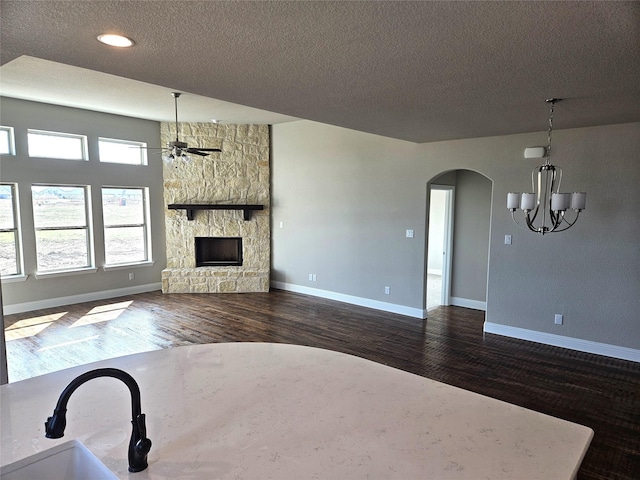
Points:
x=7, y=145
x=63, y=233
x=122, y=151
x=66, y=146
x=10, y=250
x=126, y=225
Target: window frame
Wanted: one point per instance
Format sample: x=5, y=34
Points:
x=17, y=234
x=88, y=228
x=84, y=148
x=11, y=140
x=131, y=143
x=146, y=227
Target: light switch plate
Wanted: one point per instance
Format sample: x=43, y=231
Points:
x=409, y=233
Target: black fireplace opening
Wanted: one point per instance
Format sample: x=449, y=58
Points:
x=218, y=251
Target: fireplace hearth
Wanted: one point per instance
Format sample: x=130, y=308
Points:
x=218, y=251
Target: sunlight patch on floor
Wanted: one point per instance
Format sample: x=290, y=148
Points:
x=66, y=344
x=103, y=313
x=31, y=326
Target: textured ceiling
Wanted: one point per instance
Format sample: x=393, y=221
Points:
x=419, y=71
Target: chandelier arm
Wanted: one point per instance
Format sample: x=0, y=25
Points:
x=513, y=217
x=559, y=172
x=535, y=214
x=569, y=224
x=542, y=198
x=530, y=221
x=556, y=220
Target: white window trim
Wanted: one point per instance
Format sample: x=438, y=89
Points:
x=146, y=225
x=84, y=145
x=123, y=266
x=14, y=278
x=17, y=229
x=12, y=140
x=64, y=273
x=132, y=143
x=91, y=268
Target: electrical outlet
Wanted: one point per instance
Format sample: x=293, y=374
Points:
x=409, y=233
x=387, y=290
x=311, y=277
x=132, y=275
x=507, y=239
x=314, y=277
x=558, y=319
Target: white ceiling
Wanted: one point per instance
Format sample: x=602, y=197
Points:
x=417, y=70
x=32, y=78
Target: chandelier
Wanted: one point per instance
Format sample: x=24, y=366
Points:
x=546, y=210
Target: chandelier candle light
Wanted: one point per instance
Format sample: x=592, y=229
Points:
x=546, y=205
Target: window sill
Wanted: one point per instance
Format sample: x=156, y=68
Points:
x=123, y=266
x=65, y=273
x=14, y=278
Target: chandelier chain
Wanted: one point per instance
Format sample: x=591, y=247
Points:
x=551, y=102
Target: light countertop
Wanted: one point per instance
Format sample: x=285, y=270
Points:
x=261, y=411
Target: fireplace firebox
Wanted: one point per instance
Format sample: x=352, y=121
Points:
x=218, y=251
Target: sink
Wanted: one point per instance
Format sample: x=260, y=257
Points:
x=67, y=461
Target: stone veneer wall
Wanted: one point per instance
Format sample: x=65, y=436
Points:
x=240, y=174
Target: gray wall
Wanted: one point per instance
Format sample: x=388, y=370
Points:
x=24, y=170
x=346, y=199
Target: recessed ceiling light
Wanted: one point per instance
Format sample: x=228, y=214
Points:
x=115, y=40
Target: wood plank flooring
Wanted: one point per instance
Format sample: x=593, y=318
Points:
x=599, y=392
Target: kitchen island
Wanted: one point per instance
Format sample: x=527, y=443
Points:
x=259, y=410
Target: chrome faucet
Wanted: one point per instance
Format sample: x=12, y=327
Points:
x=139, y=445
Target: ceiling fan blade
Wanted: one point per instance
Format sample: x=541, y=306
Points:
x=209, y=149
x=195, y=151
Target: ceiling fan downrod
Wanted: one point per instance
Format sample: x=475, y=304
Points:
x=175, y=96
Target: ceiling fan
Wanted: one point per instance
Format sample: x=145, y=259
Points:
x=178, y=149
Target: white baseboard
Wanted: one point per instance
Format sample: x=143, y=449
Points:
x=84, y=297
x=466, y=303
x=362, y=302
x=588, y=346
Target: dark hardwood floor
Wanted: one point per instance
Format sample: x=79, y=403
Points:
x=599, y=392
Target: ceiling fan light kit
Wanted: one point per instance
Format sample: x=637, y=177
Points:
x=546, y=204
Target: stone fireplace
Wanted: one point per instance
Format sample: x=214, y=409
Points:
x=218, y=250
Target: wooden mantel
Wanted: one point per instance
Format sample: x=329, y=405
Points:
x=191, y=208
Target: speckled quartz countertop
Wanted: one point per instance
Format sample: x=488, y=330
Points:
x=274, y=411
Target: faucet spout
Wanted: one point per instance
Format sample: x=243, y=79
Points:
x=139, y=445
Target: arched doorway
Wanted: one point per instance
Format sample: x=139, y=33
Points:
x=458, y=230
